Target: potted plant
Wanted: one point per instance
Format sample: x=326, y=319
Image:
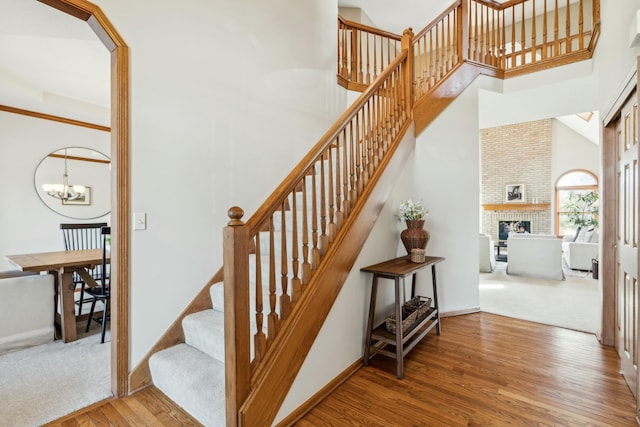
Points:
x=414, y=236
x=583, y=209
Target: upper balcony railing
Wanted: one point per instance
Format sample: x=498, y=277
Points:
x=505, y=39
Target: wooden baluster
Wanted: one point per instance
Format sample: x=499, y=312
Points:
x=324, y=238
x=368, y=161
x=513, y=37
x=285, y=299
x=306, y=265
x=424, y=72
x=545, y=47
x=259, y=339
x=450, y=45
x=315, y=250
x=341, y=49
x=331, y=201
x=343, y=161
x=482, y=38
x=475, y=32
x=556, y=41
x=567, y=34
x=443, y=48
x=353, y=72
x=358, y=149
x=236, y=312
x=533, y=31
x=368, y=61
x=296, y=284
x=431, y=71
x=523, y=36
x=503, y=49
x=273, y=318
x=581, y=26
x=375, y=58
x=360, y=61
x=339, y=204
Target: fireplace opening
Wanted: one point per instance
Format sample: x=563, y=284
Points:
x=508, y=228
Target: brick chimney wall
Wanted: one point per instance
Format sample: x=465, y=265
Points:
x=516, y=154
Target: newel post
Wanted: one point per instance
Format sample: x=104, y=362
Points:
x=236, y=313
x=408, y=70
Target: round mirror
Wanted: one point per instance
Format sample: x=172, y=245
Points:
x=75, y=182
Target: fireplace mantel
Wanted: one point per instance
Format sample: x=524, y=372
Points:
x=517, y=207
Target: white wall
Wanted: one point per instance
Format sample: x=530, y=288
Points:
x=614, y=58
x=26, y=224
x=571, y=150
x=225, y=98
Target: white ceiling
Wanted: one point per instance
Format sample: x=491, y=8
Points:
x=53, y=63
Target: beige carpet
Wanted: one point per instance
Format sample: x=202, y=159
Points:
x=571, y=303
x=43, y=383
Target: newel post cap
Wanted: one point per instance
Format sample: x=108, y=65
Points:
x=235, y=213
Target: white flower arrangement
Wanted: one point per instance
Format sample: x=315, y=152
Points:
x=410, y=210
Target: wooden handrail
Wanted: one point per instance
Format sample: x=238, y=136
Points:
x=288, y=236
x=493, y=36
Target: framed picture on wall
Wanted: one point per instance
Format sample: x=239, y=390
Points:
x=84, y=199
x=514, y=193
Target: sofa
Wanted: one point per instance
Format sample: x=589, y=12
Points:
x=535, y=255
x=579, y=250
x=487, y=253
x=26, y=310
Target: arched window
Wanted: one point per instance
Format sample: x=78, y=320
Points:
x=571, y=184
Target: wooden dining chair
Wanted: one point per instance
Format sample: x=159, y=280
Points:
x=78, y=237
x=102, y=292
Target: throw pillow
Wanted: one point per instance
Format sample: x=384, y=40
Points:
x=575, y=238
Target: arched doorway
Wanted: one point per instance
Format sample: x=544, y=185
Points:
x=106, y=32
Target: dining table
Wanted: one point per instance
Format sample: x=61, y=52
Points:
x=62, y=264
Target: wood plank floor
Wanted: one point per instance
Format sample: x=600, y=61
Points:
x=146, y=408
x=487, y=370
x=484, y=370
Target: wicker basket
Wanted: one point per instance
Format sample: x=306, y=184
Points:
x=413, y=312
x=417, y=255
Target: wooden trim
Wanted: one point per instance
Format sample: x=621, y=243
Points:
x=53, y=118
x=368, y=29
x=325, y=391
x=120, y=190
x=517, y=207
x=462, y=312
x=78, y=158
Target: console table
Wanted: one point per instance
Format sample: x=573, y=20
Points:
x=378, y=338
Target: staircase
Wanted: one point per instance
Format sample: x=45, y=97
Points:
x=290, y=259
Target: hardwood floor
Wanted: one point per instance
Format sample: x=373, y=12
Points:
x=146, y=408
x=487, y=370
x=484, y=370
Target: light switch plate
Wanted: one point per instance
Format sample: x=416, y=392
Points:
x=139, y=221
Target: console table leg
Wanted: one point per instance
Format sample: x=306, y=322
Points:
x=372, y=309
x=435, y=297
x=399, y=350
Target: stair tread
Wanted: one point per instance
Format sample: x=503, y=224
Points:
x=204, y=330
x=193, y=380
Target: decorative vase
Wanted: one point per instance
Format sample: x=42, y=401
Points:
x=415, y=236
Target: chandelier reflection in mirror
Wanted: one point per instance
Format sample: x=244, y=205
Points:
x=65, y=191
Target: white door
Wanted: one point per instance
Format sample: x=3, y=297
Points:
x=627, y=242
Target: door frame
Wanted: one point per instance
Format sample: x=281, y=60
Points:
x=608, y=208
x=120, y=191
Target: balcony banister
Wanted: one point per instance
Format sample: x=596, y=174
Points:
x=368, y=29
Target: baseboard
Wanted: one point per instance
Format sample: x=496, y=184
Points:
x=460, y=312
x=325, y=391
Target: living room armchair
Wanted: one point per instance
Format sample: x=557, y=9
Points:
x=579, y=252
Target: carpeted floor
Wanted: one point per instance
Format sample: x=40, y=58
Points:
x=43, y=383
x=572, y=303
